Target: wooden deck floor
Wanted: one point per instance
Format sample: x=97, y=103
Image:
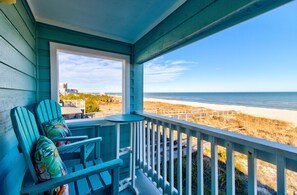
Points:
x=144, y=186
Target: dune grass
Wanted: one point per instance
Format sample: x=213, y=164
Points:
x=269, y=129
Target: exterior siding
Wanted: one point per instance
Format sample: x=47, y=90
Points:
x=48, y=33
x=17, y=86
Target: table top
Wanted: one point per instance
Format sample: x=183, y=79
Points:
x=124, y=118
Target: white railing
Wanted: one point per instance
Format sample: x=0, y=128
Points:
x=152, y=155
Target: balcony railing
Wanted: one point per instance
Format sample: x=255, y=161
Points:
x=153, y=156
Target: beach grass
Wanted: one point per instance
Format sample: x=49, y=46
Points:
x=280, y=131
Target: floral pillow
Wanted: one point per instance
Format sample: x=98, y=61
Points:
x=48, y=164
x=57, y=128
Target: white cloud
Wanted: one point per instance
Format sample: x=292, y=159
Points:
x=160, y=70
x=89, y=74
x=183, y=62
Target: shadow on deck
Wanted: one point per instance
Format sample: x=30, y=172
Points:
x=143, y=184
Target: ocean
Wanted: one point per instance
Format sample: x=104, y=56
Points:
x=276, y=100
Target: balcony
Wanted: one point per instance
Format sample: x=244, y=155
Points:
x=31, y=32
x=184, y=152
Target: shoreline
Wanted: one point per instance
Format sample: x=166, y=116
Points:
x=277, y=114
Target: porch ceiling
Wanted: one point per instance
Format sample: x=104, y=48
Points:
x=123, y=20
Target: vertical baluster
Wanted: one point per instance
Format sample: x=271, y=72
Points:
x=164, y=163
x=281, y=175
x=179, y=162
x=158, y=155
x=153, y=149
x=148, y=142
x=230, y=170
x=137, y=143
x=131, y=150
x=144, y=145
x=171, y=160
x=200, y=180
x=252, y=173
x=189, y=164
x=140, y=144
x=214, y=167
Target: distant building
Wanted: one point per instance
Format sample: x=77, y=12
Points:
x=63, y=89
x=72, y=91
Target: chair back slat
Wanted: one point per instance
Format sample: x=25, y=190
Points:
x=56, y=108
x=47, y=110
x=26, y=131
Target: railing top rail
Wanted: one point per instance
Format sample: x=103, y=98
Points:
x=248, y=141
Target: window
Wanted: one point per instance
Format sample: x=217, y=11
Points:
x=88, y=83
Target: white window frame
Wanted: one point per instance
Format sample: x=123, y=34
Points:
x=54, y=69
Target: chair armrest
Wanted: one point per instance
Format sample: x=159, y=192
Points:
x=74, y=176
x=71, y=138
x=79, y=143
x=82, y=125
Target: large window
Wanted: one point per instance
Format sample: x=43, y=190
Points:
x=88, y=83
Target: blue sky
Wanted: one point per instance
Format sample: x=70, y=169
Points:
x=257, y=55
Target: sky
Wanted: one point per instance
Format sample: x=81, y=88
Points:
x=257, y=55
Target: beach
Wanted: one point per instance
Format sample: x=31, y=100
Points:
x=277, y=114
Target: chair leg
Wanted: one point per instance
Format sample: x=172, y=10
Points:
x=115, y=181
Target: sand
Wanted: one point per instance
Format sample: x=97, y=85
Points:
x=278, y=114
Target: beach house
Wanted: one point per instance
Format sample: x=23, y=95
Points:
x=31, y=33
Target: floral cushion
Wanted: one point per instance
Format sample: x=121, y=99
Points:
x=48, y=164
x=57, y=128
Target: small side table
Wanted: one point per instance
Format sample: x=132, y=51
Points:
x=132, y=119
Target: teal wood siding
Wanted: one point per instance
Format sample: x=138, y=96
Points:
x=48, y=33
x=17, y=86
x=136, y=87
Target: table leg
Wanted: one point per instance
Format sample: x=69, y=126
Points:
x=118, y=140
x=133, y=154
x=131, y=150
x=97, y=148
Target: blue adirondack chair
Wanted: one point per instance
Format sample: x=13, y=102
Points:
x=48, y=110
x=87, y=178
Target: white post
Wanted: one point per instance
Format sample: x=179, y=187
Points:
x=164, y=163
x=171, y=160
x=252, y=172
x=153, y=149
x=158, y=155
x=200, y=180
x=189, y=163
x=214, y=167
x=281, y=175
x=230, y=169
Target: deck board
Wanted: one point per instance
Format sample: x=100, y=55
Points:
x=143, y=184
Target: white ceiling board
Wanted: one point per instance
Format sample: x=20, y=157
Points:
x=124, y=20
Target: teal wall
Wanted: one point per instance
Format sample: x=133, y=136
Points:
x=25, y=79
x=47, y=34
x=17, y=86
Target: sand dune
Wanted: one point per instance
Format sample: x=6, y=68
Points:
x=278, y=114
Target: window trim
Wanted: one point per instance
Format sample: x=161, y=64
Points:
x=54, y=68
